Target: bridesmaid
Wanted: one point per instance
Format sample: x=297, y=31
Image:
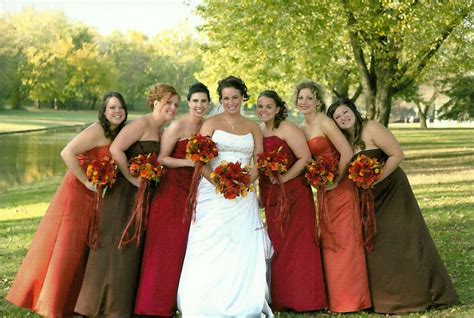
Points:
x=343, y=252
x=296, y=271
x=405, y=271
x=50, y=276
x=111, y=276
x=167, y=230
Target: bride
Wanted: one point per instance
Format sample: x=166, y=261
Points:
x=224, y=270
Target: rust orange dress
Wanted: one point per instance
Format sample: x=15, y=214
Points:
x=50, y=277
x=296, y=272
x=345, y=267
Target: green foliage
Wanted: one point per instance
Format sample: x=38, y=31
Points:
x=461, y=105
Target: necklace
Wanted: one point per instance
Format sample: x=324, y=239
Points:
x=230, y=124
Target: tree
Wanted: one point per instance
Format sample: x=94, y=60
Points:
x=461, y=103
x=383, y=46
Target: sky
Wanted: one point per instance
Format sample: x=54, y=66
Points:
x=146, y=16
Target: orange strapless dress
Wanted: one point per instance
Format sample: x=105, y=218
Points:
x=50, y=277
x=345, y=267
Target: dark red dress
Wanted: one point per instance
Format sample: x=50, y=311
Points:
x=50, y=277
x=296, y=274
x=165, y=244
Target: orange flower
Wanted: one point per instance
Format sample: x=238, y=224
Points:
x=232, y=180
x=201, y=148
x=321, y=172
x=365, y=171
x=272, y=162
x=147, y=167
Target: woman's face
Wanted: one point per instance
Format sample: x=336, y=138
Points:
x=231, y=100
x=306, y=101
x=267, y=109
x=344, y=117
x=114, y=112
x=198, y=104
x=168, y=106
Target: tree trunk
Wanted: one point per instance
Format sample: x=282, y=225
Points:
x=422, y=113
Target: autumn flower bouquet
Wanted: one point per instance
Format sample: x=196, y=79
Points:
x=102, y=173
x=200, y=149
x=232, y=180
x=273, y=163
x=147, y=168
x=364, y=171
x=320, y=173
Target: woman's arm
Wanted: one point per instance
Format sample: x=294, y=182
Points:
x=340, y=142
x=127, y=136
x=84, y=141
x=168, y=142
x=383, y=139
x=295, y=138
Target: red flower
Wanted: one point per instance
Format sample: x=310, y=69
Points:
x=365, y=171
x=201, y=148
x=147, y=167
x=272, y=162
x=232, y=180
x=321, y=172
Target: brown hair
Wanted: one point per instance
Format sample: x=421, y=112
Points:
x=109, y=132
x=158, y=92
x=316, y=90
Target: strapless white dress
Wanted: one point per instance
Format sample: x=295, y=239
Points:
x=224, y=270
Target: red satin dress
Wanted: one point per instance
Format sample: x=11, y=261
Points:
x=296, y=272
x=345, y=267
x=50, y=277
x=165, y=244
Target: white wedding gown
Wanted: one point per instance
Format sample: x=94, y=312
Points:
x=224, y=271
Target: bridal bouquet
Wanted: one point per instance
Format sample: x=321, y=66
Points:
x=102, y=173
x=200, y=149
x=147, y=168
x=232, y=180
x=364, y=172
x=272, y=163
x=321, y=171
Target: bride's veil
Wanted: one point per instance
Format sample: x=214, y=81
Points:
x=219, y=109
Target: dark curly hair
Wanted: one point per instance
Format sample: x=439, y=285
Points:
x=282, y=113
x=198, y=88
x=158, y=91
x=316, y=90
x=234, y=82
x=359, y=124
x=111, y=133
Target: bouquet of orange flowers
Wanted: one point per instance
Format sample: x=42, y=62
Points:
x=321, y=172
x=147, y=168
x=102, y=173
x=200, y=149
x=364, y=172
x=273, y=163
x=232, y=180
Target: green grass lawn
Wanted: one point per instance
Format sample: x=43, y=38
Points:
x=439, y=164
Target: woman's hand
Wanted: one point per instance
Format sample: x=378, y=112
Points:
x=135, y=181
x=90, y=186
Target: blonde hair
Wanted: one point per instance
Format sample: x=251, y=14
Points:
x=158, y=92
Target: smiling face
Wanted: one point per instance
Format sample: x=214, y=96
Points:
x=198, y=104
x=344, y=117
x=114, y=112
x=306, y=101
x=231, y=100
x=168, y=106
x=267, y=109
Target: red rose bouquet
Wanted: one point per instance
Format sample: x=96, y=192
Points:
x=272, y=163
x=102, y=173
x=200, y=149
x=320, y=173
x=232, y=180
x=364, y=172
x=147, y=168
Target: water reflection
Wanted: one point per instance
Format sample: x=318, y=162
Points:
x=30, y=157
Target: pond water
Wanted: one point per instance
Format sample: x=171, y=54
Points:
x=26, y=158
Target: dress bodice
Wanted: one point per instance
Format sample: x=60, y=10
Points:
x=232, y=148
x=322, y=146
x=274, y=142
x=179, y=150
x=143, y=147
x=373, y=153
